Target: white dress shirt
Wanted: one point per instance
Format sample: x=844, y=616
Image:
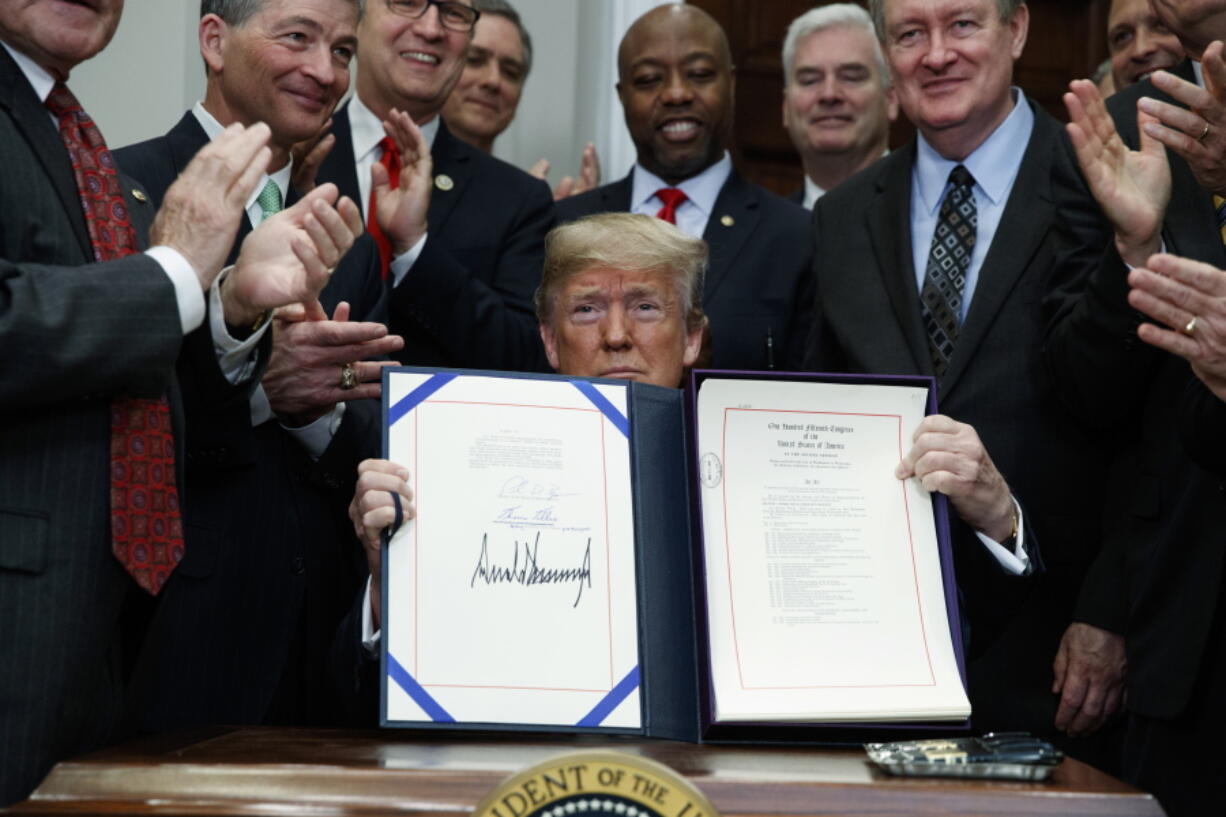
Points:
x=315, y=437
x=366, y=130
x=701, y=192
x=812, y=193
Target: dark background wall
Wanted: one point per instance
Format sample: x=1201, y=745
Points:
x=1068, y=39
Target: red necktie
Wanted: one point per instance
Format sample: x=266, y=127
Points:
x=146, y=529
x=672, y=198
x=390, y=160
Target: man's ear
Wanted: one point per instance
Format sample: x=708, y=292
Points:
x=213, y=33
x=693, y=343
x=551, y=345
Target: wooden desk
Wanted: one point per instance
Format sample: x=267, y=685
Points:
x=261, y=771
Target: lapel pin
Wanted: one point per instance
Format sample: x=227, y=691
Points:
x=443, y=182
x=139, y=195
x=727, y=221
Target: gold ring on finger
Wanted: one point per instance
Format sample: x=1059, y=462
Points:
x=349, y=377
x=1190, y=327
x=1203, y=133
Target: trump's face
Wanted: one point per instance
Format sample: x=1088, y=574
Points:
x=620, y=324
x=59, y=34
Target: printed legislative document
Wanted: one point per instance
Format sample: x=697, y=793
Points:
x=824, y=584
x=511, y=597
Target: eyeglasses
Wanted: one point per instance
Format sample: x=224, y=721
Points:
x=455, y=16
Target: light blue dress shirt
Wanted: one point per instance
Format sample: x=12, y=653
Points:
x=994, y=164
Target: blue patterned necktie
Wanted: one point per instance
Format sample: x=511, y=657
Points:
x=953, y=242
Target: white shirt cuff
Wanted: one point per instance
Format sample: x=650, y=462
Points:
x=315, y=437
x=401, y=264
x=1161, y=249
x=185, y=282
x=235, y=357
x=1017, y=562
x=370, y=636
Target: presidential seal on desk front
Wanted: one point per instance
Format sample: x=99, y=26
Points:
x=596, y=784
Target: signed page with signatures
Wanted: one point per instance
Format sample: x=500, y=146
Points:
x=511, y=598
x=825, y=594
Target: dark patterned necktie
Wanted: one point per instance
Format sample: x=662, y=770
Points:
x=146, y=529
x=672, y=198
x=390, y=160
x=953, y=242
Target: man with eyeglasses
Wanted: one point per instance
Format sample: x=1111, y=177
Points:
x=463, y=276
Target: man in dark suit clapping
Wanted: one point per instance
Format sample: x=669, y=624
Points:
x=90, y=467
x=269, y=479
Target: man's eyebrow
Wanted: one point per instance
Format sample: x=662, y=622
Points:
x=584, y=292
x=300, y=21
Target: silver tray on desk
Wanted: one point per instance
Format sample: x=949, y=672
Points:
x=1008, y=756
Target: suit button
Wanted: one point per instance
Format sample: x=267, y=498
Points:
x=297, y=565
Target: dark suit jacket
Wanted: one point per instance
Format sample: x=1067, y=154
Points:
x=868, y=320
x=242, y=629
x=1159, y=577
x=758, y=292
x=467, y=301
x=80, y=334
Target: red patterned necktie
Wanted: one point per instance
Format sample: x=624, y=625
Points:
x=672, y=198
x=390, y=160
x=146, y=529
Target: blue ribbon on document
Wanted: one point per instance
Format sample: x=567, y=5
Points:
x=420, y=394
x=611, y=701
x=415, y=691
x=606, y=408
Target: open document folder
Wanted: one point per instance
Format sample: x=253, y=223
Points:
x=547, y=579
x=825, y=595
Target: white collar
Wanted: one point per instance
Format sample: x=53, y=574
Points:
x=812, y=193
x=702, y=190
x=366, y=129
x=40, y=78
x=213, y=129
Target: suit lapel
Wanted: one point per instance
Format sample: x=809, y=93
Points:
x=453, y=169
x=889, y=225
x=184, y=141
x=1023, y=226
x=338, y=166
x=732, y=222
x=615, y=197
x=31, y=117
